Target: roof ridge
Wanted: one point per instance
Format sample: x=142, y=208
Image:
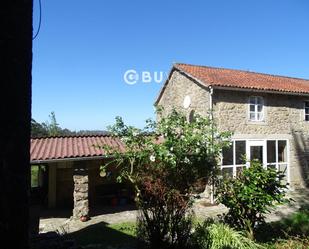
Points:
x=242, y=70
x=68, y=136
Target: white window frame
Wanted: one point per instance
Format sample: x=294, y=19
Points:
x=259, y=142
x=256, y=112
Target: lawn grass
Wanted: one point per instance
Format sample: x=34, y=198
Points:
x=105, y=236
x=291, y=232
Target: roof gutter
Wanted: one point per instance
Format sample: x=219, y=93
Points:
x=69, y=159
x=259, y=90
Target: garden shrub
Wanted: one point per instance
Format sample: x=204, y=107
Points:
x=214, y=235
x=251, y=195
x=164, y=220
x=167, y=162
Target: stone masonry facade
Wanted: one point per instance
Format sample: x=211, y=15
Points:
x=284, y=117
x=81, y=188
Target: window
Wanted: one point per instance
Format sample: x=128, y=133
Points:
x=272, y=154
x=233, y=158
x=256, y=108
x=307, y=110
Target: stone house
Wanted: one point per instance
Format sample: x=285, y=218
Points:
x=267, y=114
x=69, y=173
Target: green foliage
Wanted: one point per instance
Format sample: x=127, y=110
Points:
x=210, y=235
x=52, y=128
x=187, y=151
x=251, y=195
x=37, y=129
x=295, y=225
x=34, y=176
x=167, y=162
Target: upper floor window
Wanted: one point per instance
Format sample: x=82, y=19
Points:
x=256, y=108
x=307, y=110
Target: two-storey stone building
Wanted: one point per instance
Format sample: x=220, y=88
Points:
x=268, y=115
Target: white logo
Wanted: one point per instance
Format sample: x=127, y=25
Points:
x=131, y=77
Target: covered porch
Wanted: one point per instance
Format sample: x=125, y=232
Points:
x=68, y=175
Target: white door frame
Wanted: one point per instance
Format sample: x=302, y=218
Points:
x=257, y=142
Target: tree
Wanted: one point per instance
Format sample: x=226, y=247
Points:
x=52, y=126
x=167, y=162
x=37, y=129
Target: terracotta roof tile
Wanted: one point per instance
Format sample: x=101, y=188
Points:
x=221, y=77
x=49, y=148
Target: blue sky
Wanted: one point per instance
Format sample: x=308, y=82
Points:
x=85, y=47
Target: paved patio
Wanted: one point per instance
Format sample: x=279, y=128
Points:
x=60, y=220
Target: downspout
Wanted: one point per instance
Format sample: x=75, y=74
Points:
x=211, y=91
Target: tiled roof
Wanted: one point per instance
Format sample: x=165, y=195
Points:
x=211, y=76
x=51, y=148
x=230, y=78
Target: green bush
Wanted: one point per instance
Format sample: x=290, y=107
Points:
x=251, y=195
x=220, y=236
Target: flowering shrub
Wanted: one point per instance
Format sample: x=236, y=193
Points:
x=167, y=162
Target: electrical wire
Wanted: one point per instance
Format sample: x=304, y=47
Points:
x=40, y=20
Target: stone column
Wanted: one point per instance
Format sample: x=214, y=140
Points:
x=81, y=186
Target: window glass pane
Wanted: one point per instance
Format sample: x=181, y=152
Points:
x=306, y=111
x=282, y=151
x=240, y=151
x=252, y=116
x=283, y=168
x=252, y=100
x=259, y=100
x=252, y=108
x=307, y=117
x=271, y=151
x=239, y=170
x=227, y=172
x=271, y=166
x=256, y=153
x=259, y=116
x=227, y=154
x=307, y=104
x=259, y=108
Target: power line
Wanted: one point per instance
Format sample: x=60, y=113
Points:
x=40, y=20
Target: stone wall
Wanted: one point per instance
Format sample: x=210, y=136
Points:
x=180, y=86
x=284, y=117
x=81, y=187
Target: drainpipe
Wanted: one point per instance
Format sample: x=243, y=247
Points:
x=211, y=91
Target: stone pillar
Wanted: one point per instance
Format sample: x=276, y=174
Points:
x=80, y=193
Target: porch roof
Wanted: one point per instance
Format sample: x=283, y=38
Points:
x=73, y=147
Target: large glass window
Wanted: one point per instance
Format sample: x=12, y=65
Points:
x=256, y=108
x=233, y=158
x=282, y=151
x=227, y=156
x=272, y=153
x=240, y=151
